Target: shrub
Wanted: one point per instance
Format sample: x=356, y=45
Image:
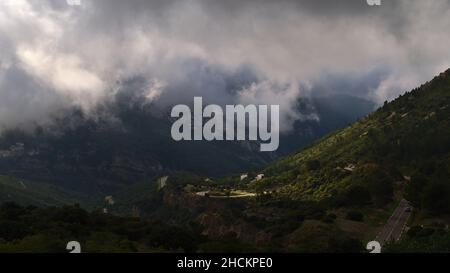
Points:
x=355, y=216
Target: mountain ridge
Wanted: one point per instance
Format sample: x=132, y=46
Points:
x=335, y=195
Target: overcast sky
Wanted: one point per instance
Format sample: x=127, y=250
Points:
x=55, y=56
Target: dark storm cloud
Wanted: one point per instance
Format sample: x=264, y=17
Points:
x=239, y=51
x=358, y=84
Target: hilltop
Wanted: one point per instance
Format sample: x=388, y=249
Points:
x=345, y=185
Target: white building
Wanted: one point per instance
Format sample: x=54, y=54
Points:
x=109, y=200
x=259, y=177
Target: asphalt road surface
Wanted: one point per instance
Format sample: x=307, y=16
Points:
x=396, y=224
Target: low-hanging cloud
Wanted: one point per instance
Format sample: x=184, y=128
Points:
x=54, y=56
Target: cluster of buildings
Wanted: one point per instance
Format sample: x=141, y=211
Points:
x=257, y=178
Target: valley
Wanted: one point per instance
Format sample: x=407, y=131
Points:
x=334, y=195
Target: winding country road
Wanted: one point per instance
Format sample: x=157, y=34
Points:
x=393, y=229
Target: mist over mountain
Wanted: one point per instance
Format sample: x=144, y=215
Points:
x=334, y=195
x=128, y=140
